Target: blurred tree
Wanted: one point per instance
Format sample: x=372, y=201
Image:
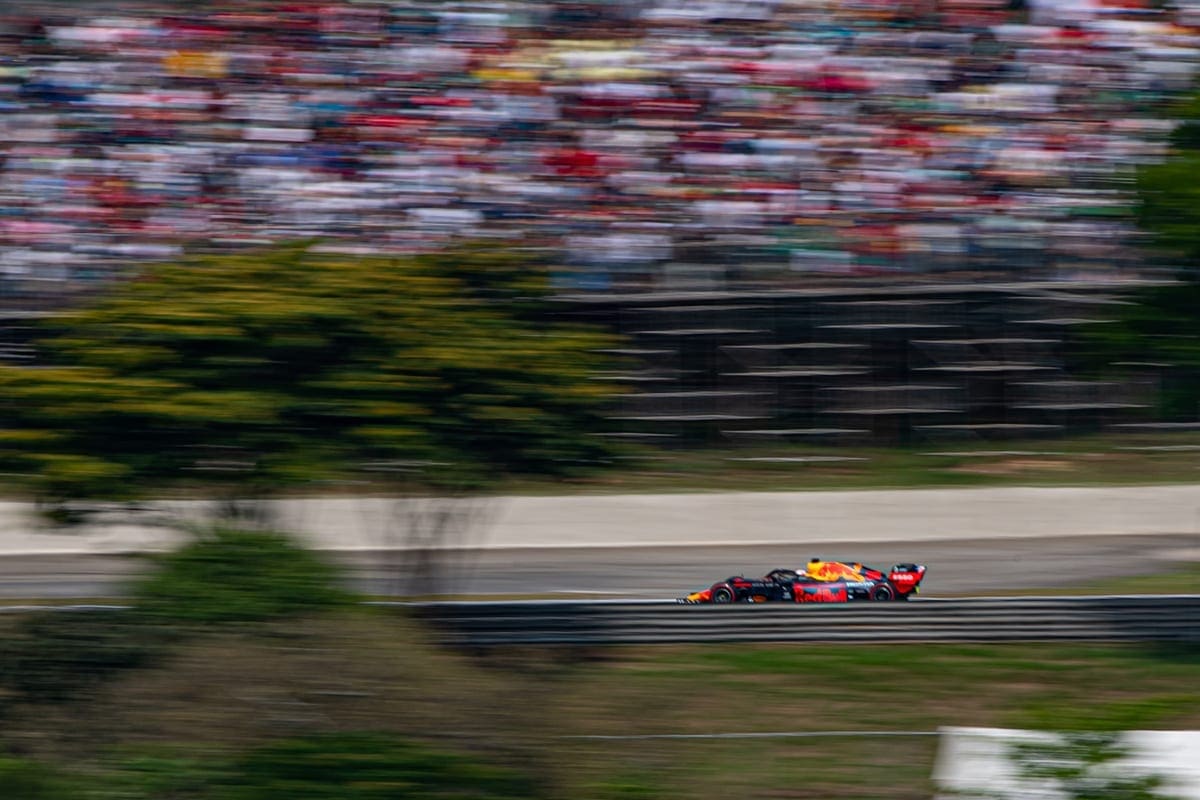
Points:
x=1156, y=334
x=1168, y=192
x=242, y=375
x=1159, y=329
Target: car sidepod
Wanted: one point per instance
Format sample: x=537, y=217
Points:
x=820, y=592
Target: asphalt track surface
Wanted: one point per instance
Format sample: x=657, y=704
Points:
x=962, y=567
x=974, y=541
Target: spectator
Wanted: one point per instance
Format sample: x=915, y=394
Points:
x=878, y=137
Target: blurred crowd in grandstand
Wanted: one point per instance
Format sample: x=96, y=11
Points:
x=642, y=142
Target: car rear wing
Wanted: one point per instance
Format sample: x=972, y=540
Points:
x=906, y=577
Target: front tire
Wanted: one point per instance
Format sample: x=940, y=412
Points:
x=883, y=593
x=722, y=595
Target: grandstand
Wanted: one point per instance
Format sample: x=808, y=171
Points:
x=817, y=219
x=896, y=363
x=767, y=144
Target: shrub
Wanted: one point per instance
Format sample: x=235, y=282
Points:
x=56, y=655
x=367, y=767
x=231, y=575
x=227, y=576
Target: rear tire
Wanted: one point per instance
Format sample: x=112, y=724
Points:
x=883, y=593
x=722, y=595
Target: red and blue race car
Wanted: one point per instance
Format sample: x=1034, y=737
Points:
x=820, y=582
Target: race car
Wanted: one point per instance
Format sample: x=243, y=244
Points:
x=820, y=582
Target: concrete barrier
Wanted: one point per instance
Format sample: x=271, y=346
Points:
x=683, y=519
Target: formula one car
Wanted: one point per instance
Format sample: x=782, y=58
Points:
x=820, y=582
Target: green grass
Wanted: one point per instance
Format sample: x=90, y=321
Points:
x=373, y=670
x=1108, y=459
x=895, y=688
x=369, y=670
x=1185, y=579
x=1099, y=460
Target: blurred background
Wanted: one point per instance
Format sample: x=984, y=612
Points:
x=762, y=244
x=650, y=145
x=870, y=179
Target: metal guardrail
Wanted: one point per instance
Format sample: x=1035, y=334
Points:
x=978, y=619
x=1108, y=618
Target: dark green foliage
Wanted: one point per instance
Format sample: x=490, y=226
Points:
x=1157, y=333
x=352, y=766
x=225, y=576
x=1079, y=764
x=515, y=279
x=26, y=780
x=232, y=575
x=152, y=774
x=366, y=767
x=250, y=373
x=1186, y=136
x=142, y=777
x=1168, y=196
x=58, y=655
x=635, y=786
x=1168, y=191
